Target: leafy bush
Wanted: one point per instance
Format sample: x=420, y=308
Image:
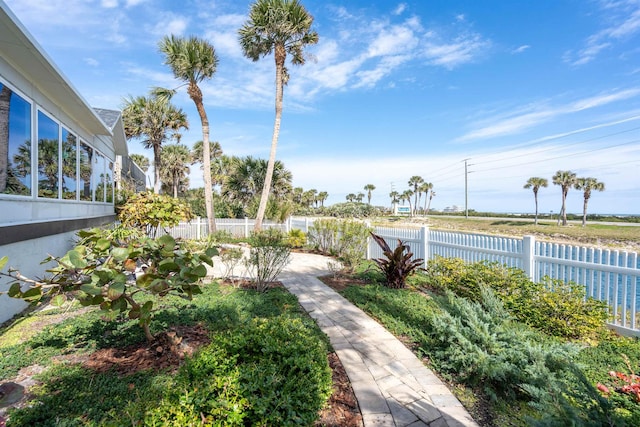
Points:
x=345, y=239
x=351, y=210
x=148, y=211
x=274, y=373
x=398, y=265
x=102, y=273
x=480, y=344
x=268, y=256
x=552, y=306
x=297, y=238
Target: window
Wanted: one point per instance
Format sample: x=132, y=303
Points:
x=98, y=178
x=86, y=163
x=69, y=162
x=110, y=183
x=48, y=155
x=15, y=143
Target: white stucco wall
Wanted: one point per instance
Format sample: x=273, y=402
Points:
x=26, y=257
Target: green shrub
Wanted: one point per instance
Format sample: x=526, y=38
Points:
x=346, y=239
x=351, y=210
x=297, y=238
x=268, y=256
x=552, y=306
x=398, y=265
x=148, y=211
x=274, y=373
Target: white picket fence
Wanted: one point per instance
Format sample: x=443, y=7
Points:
x=608, y=275
x=198, y=228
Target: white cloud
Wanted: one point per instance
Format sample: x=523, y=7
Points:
x=400, y=8
x=91, y=62
x=624, y=22
x=109, y=4
x=450, y=54
x=521, y=49
x=531, y=116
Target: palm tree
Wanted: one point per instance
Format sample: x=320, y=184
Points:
x=151, y=118
x=566, y=180
x=431, y=196
x=406, y=195
x=141, y=160
x=322, y=196
x=425, y=188
x=415, y=182
x=587, y=185
x=359, y=197
x=351, y=197
x=369, y=188
x=394, y=195
x=535, y=183
x=194, y=60
x=175, y=158
x=282, y=27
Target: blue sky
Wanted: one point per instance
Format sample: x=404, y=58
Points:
x=393, y=89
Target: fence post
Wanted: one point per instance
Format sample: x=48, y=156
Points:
x=198, y=233
x=424, y=241
x=528, y=256
x=306, y=224
x=246, y=227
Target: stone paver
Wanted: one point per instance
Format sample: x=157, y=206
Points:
x=392, y=386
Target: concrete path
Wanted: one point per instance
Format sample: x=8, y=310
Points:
x=391, y=384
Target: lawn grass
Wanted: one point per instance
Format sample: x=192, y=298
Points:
x=254, y=372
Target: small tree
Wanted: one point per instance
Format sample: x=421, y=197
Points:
x=101, y=271
x=535, y=183
x=148, y=211
x=586, y=185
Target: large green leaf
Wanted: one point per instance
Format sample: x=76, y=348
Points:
x=168, y=265
x=3, y=261
x=103, y=244
x=58, y=300
x=200, y=271
x=120, y=254
x=14, y=290
x=76, y=259
x=115, y=291
x=32, y=294
x=91, y=289
x=167, y=241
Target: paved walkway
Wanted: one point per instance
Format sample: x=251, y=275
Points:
x=391, y=384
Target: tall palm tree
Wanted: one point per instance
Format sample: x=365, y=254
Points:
x=431, y=196
x=535, y=183
x=141, y=160
x=415, y=182
x=175, y=160
x=566, y=180
x=282, y=27
x=194, y=60
x=351, y=197
x=369, y=188
x=322, y=196
x=406, y=195
x=151, y=118
x=425, y=187
x=587, y=185
x=395, y=197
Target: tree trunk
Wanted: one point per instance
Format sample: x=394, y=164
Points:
x=280, y=56
x=535, y=196
x=584, y=212
x=157, y=164
x=428, y=205
x=564, y=209
x=196, y=95
x=5, y=105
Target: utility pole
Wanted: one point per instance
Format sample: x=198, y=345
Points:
x=466, y=191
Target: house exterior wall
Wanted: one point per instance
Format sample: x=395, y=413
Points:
x=40, y=221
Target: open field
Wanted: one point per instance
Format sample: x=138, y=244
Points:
x=597, y=234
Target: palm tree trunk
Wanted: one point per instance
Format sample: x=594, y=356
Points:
x=156, y=168
x=584, y=212
x=535, y=222
x=280, y=56
x=428, y=205
x=196, y=95
x=564, y=209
